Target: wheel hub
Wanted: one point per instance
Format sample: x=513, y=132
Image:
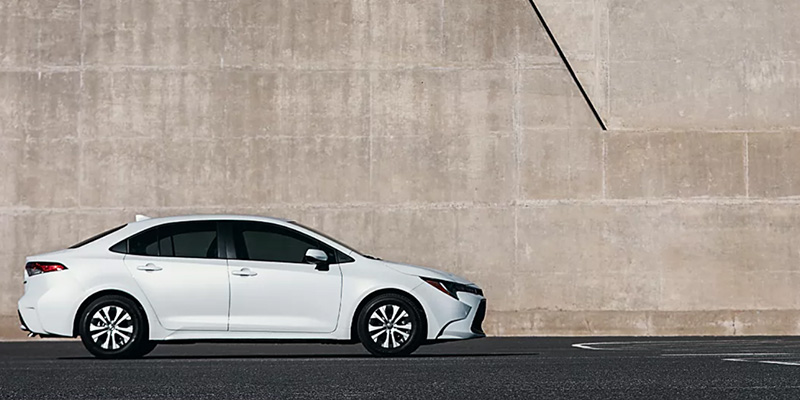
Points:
x=111, y=327
x=390, y=326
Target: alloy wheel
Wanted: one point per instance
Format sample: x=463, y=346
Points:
x=111, y=327
x=390, y=326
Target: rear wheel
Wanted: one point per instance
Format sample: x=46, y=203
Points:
x=114, y=327
x=390, y=325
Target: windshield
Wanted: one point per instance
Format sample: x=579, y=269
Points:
x=328, y=238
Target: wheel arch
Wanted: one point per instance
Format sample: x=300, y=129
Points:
x=379, y=292
x=103, y=293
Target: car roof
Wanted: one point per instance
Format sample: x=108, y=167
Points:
x=146, y=222
x=143, y=223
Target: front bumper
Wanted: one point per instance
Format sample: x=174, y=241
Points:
x=477, y=321
x=471, y=326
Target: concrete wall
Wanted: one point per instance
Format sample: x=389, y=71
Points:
x=443, y=133
x=685, y=65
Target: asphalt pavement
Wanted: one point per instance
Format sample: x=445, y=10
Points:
x=492, y=368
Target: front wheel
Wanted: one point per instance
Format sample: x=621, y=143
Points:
x=390, y=325
x=114, y=327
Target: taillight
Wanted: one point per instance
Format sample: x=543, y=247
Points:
x=36, y=268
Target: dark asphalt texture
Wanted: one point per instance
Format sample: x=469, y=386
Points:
x=514, y=368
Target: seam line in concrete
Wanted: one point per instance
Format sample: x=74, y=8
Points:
x=515, y=117
x=81, y=96
x=604, y=184
x=299, y=69
x=567, y=64
x=747, y=165
x=412, y=206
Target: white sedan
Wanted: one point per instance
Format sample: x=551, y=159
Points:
x=227, y=277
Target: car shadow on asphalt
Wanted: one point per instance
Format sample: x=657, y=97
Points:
x=310, y=356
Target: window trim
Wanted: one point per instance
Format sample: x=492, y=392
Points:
x=96, y=237
x=226, y=249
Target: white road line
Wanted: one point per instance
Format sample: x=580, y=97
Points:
x=634, y=345
x=590, y=346
x=726, y=355
x=593, y=346
x=795, y=364
x=790, y=363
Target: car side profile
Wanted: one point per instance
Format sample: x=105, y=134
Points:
x=229, y=277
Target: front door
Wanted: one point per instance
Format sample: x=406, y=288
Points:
x=273, y=289
x=178, y=268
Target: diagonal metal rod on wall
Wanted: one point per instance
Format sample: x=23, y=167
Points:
x=569, y=67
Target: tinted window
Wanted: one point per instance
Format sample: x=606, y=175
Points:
x=189, y=239
x=183, y=239
x=339, y=242
x=165, y=246
x=144, y=244
x=121, y=247
x=343, y=258
x=265, y=242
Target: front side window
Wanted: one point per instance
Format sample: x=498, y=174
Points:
x=265, y=242
x=196, y=239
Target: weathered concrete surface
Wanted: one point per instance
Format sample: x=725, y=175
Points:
x=653, y=64
x=446, y=134
x=675, y=164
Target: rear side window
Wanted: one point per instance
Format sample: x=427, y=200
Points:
x=96, y=237
x=144, y=244
x=189, y=239
x=196, y=239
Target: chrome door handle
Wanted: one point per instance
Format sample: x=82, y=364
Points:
x=244, y=272
x=150, y=267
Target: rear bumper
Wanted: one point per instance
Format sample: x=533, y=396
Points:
x=22, y=325
x=48, y=305
x=29, y=320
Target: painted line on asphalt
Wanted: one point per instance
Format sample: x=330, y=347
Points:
x=593, y=346
x=736, y=360
x=790, y=363
x=727, y=355
x=795, y=364
x=636, y=345
x=590, y=346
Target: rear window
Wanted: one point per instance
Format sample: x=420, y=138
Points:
x=95, y=237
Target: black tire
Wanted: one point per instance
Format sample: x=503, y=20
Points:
x=384, y=337
x=126, y=320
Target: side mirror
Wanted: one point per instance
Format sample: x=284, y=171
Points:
x=317, y=256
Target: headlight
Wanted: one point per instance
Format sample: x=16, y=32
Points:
x=451, y=288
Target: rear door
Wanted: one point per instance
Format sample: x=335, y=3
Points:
x=179, y=269
x=273, y=289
